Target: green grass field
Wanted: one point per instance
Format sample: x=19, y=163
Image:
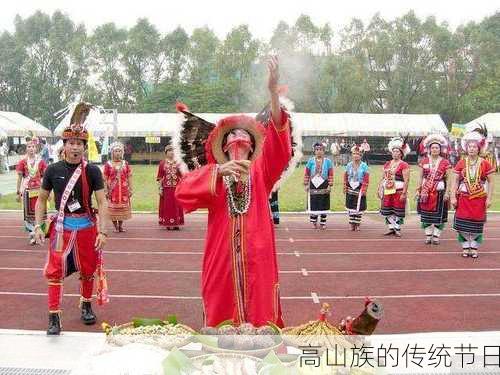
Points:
x=291, y=196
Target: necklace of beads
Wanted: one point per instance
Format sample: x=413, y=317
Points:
x=471, y=172
x=238, y=203
x=32, y=167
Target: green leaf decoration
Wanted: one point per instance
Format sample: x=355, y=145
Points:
x=172, y=319
x=141, y=322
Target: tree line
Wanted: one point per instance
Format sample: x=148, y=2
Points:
x=404, y=65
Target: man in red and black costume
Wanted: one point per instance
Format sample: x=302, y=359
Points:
x=241, y=161
x=76, y=237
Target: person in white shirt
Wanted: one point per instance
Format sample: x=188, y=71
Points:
x=365, y=149
x=335, y=150
x=4, y=166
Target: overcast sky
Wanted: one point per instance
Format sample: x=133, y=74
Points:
x=261, y=15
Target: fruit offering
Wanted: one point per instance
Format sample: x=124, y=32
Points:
x=244, y=337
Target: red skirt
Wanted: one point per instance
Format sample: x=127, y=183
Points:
x=471, y=209
x=392, y=205
x=170, y=211
x=470, y=214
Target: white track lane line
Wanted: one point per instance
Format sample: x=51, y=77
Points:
x=287, y=229
x=302, y=253
x=409, y=296
x=287, y=271
x=437, y=252
x=402, y=296
x=405, y=270
x=132, y=270
x=315, y=297
x=332, y=240
x=138, y=296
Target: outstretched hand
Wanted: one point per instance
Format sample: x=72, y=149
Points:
x=274, y=74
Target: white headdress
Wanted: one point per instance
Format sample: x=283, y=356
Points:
x=115, y=145
x=435, y=139
x=400, y=144
x=478, y=135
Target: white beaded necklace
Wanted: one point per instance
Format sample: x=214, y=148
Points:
x=232, y=204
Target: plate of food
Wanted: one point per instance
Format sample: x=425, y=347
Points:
x=165, y=334
x=243, y=339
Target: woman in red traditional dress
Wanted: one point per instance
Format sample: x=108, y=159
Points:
x=433, y=188
x=472, y=192
x=171, y=214
x=30, y=170
x=393, y=187
x=118, y=177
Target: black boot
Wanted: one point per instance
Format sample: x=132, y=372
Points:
x=88, y=317
x=54, y=324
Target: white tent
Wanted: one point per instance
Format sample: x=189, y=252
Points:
x=368, y=125
x=491, y=120
x=17, y=125
x=134, y=125
x=312, y=124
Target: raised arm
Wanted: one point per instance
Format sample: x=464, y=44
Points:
x=272, y=85
x=277, y=149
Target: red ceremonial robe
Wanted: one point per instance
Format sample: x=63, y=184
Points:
x=240, y=285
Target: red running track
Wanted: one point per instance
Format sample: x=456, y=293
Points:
x=155, y=273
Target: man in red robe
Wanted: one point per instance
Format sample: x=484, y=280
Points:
x=245, y=160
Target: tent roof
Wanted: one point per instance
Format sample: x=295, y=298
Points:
x=135, y=125
x=369, y=125
x=17, y=125
x=312, y=124
x=491, y=120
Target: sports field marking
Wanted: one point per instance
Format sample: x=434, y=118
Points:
x=137, y=296
x=310, y=297
x=333, y=240
x=315, y=297
x=131, y=270
x=286, y=271
x=126, y=252
x=301, y=253
x=406, y=270
x=408, y=296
